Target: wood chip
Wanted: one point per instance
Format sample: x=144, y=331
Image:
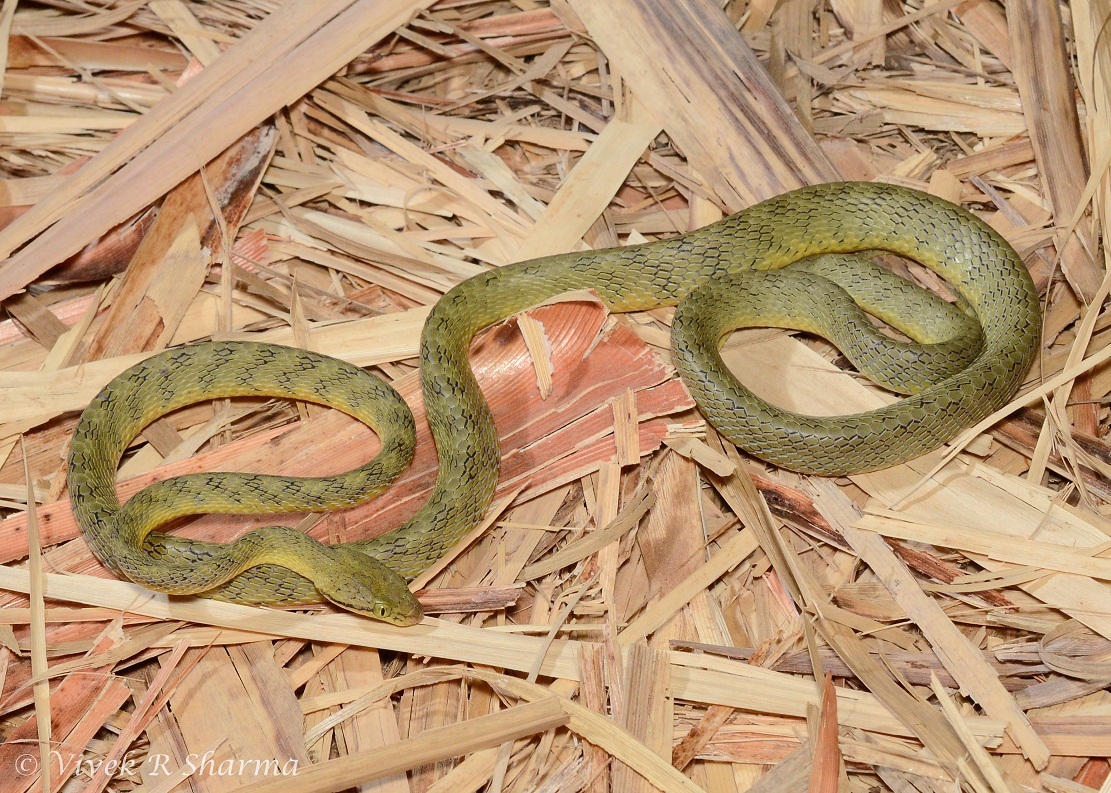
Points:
x=663, y=611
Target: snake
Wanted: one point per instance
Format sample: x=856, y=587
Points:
x=789, y=261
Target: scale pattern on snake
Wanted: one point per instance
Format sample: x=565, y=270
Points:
x=369, y=577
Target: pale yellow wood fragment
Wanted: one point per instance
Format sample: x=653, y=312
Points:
x=868, y=15
x=794, y=377
x=66, y=348
x=740, y=547
x=672, y=540
x=375, y=727
x=202, y=318
x=647, y=715
x=608, y=530
x=540, y=351
x=22, y=192
x=44, y=88
x=905, y=107
x=177, y=280
x=961, y=658
x=710, y=680
x=1042, y=70
x=701, y=453
x=322, y=656
x=283, y=57
x=186, y=27
x=593, y=696
x=615, y=740
x=877, y=750
x=71, y=122
x=591, y=185
x=743, y=141
x=945, y=185
x=625, y=434
x=979, y=758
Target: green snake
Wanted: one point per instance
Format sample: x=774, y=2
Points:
x=727, y=275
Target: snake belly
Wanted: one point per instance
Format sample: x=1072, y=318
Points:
x=838, y=218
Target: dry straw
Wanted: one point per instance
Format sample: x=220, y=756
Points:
x=645, y=607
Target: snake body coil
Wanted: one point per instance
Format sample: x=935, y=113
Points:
x=272, y=566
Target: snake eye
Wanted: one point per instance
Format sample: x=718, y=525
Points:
x=380, y=611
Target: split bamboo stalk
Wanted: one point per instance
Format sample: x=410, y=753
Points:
x=435, y=744
x=277, y=62
x=758, y=148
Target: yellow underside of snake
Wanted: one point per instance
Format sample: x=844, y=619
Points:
x=728, y=275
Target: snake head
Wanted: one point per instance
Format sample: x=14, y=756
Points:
x=370, y=588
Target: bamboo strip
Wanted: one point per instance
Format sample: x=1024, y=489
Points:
x=591, y=185
x=742, y=686
x=998, y=546
x=592, y=696
x=979, y=757
x=432, y=745
x=739, y=548
x=204, y=117
x=36, y=592
x=757, y=148
x=961, y=658
x=647, y=678
x=1038, y=38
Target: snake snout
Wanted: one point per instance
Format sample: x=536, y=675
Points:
x=410, y=614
